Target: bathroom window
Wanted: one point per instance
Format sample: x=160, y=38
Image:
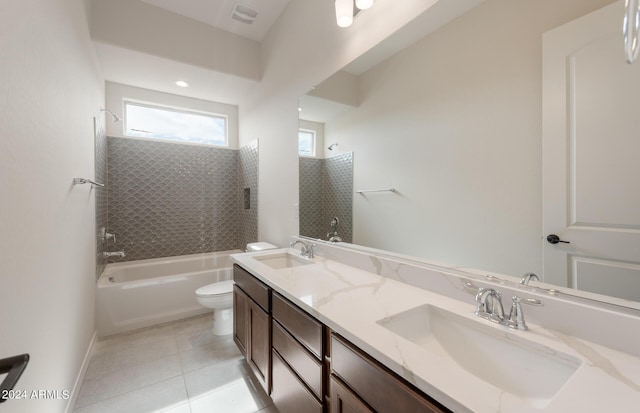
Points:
x=306, y=142
x=157, y=122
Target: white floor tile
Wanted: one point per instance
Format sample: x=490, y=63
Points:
x=233, y=397
x=160, y=397
x=222, y=349
x=122, y=381
x=156, y=349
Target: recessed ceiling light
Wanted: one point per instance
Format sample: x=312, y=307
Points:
x=182, y=83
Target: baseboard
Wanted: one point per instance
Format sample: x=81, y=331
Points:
x=83, y=370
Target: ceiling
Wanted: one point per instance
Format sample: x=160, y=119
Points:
x=217, y=13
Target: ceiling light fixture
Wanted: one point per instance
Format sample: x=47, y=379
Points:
x=345, y=10
x=182, y=83
x=364, y=4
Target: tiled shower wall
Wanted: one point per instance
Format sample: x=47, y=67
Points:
x=167, y=199
x=248, y=176
x=326, y=191
x=101, y=193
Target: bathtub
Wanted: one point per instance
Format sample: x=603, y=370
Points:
x=136, y=294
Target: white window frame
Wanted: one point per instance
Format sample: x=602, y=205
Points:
x=154, y=105
x=313, y=144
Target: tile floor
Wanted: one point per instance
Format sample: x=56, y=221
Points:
x=178, y=367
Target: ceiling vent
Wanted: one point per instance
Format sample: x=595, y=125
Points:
x=243, y=14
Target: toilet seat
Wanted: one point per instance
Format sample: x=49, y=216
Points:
x=215, y=289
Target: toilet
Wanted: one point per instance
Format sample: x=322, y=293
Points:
x=219, y=297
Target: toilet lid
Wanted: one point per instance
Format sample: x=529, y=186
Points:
x=222, y=287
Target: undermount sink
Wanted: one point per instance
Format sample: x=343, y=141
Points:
x=531, y=372
x=282, y=260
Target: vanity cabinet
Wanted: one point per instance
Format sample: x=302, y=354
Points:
x=299, y=372
x=361, y=384
x=252, y=323
x=307, y=368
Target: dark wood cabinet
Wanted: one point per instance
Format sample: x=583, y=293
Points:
x=344, y=401
x=307, y=368
x=240, y=332
x=298, y=343
x=252, y=324
x=290, y=394
x=374, y=384
x=259, y=349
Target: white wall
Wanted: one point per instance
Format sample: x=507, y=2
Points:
x=116, y=93
x=49, y=93
x=304, y=47
x=454, y=124
x=145, y=28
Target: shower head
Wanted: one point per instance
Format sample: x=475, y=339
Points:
x=333, y=145
x=114, y=117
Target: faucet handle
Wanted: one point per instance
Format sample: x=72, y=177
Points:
x=516, y=317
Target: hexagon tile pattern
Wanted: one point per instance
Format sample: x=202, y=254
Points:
x=168, y=199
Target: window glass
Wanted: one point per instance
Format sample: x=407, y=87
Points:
x=306, y=142
x=146, y=121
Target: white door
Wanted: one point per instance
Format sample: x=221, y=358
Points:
x=591, y=157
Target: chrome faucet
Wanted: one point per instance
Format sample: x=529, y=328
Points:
x=120, y=254
x=527, y=277
x=489, y=305
x=516, y=317
x=306, y=250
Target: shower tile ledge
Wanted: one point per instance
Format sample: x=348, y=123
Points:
x=350, y=300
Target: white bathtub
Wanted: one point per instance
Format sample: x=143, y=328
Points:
x=136, y=294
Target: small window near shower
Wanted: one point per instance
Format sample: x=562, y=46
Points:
x=306, y=142
x=157, y=122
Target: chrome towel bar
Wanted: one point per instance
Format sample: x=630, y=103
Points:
x=78, y=181
x=362, y=191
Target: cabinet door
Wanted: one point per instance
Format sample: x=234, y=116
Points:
x=343, y=401
x=289, y=394
x=258, y=350
x=240, y=330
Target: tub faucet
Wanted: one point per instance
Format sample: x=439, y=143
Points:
x=120, y=254
x=306, y=250
x=489, y=305
x=527, y=277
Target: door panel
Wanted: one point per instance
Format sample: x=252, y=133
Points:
x=590, y=144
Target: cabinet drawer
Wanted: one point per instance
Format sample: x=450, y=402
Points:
x=303, y=327
x=378, y=387
x=289, y=394
x=344, y=401
x=299, y=359
x=254, y=288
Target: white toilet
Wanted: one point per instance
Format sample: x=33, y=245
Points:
x=219, y=297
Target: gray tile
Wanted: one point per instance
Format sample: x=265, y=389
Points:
x=167, y=199
x=158, y=348
x=159, y=397
x=269, y=409
x=227, y=387
x=198, y=338
x=108, y=385
x=183, y=408
x=218, y=351
x=194, y=324
x=120, y=342
x=326, y=191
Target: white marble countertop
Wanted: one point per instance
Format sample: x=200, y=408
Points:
x=350, y=301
